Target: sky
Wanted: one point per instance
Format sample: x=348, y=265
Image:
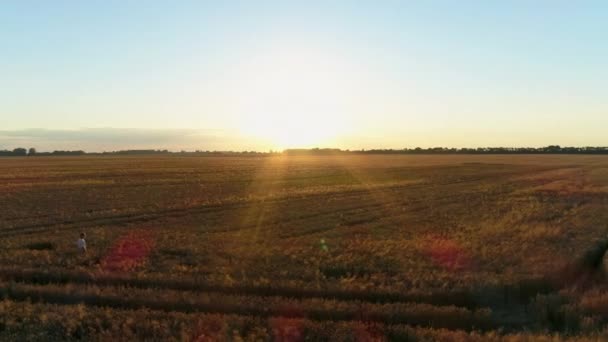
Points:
x=258, y=75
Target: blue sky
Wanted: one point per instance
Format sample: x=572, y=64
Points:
x=268, y=74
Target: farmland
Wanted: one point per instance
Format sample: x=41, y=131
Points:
x=290, y=248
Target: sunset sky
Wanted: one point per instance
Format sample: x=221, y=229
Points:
x=259, y=75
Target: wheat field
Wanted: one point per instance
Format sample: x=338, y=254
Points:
x=304, y=248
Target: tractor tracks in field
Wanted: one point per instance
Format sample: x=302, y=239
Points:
x=32, y=276
x=146, y=216
x=460, y=309
x=478, y=308
x=172, y=212
x=425, y=316
x=341, y=196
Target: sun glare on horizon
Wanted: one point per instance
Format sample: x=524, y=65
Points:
x=294, y=97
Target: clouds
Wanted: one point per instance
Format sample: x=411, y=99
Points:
x=110, y=139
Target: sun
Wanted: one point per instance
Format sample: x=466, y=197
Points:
x=293, y=98
x=293, y=131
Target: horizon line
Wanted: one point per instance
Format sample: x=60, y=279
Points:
x=21, y=151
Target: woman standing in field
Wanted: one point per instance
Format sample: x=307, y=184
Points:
x=82, y=244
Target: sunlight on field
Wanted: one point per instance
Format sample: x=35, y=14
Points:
x=327, y=247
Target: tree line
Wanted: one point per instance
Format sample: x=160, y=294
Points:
x=31, y=152
x=22, y=152
x=552, y=149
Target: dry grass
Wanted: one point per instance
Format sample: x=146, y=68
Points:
x=412, y=245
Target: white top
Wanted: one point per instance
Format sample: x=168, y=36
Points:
x=82, y=244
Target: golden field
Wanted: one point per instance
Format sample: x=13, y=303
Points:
x=304, y=248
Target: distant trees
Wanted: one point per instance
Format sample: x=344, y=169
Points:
x=316, y=151
x=19, y=151
x=68, y=153
x=552, y=149
x=131, y=152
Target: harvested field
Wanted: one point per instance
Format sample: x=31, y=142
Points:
x=290, y=248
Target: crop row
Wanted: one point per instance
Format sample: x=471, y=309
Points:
x=34, y=321
x=332, y=292
x=450, y=317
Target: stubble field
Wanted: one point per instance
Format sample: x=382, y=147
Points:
x=304, y=248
